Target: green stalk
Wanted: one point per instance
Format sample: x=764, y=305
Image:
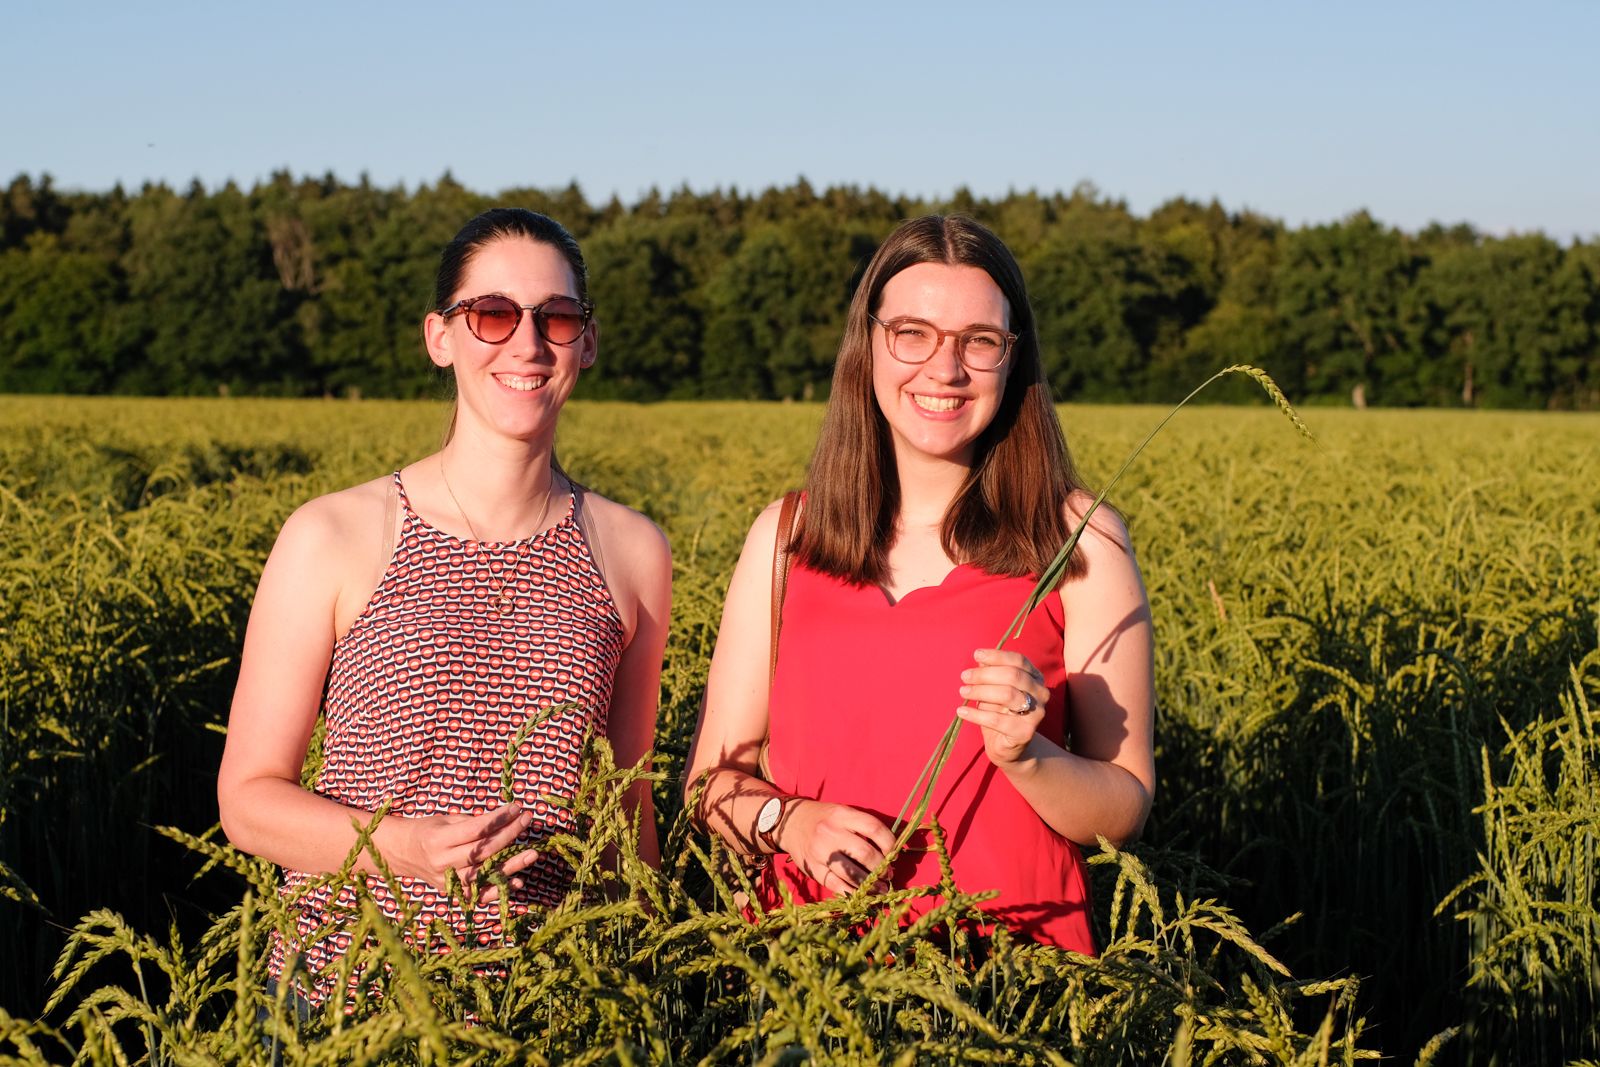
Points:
x=508, y=763
x=921, y=794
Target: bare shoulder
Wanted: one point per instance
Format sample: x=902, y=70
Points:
x=338, y=521
x=760, y=544
x=1106, y=530
x=1107, y=602
x=1111, y=575
x=765, y=528
x=325, y=552
x=629, y=539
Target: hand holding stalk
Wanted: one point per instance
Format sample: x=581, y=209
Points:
x=1006, y=696
x=477, y=857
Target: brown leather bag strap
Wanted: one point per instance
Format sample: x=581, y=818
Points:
x=782, y=558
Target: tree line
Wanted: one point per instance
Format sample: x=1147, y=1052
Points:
x=313, y=286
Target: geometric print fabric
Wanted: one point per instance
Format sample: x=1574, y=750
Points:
x=425, y=693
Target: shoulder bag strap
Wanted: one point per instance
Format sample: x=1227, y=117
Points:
x=782, y=558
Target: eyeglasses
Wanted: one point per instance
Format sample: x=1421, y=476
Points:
x=493, y=319
x=915, y=341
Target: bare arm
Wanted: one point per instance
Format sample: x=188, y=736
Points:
x=1104, y=784
x=639, y=570
x=288, y=646
x=834, y=844
x=733, y=719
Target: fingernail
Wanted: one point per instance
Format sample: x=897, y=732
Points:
x=966, y=690
x=966, y=676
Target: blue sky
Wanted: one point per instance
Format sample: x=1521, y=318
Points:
x=1415, y=111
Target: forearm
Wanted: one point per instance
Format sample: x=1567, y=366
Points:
x=727, y=800
x=1079, y=798
x=298, y=829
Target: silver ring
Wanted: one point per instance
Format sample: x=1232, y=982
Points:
x=1028, y=704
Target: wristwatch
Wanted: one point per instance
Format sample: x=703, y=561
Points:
x=768, y=820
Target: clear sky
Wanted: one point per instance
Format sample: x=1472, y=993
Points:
x=1414, y=110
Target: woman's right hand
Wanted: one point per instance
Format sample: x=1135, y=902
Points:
x=835, y=845
x=431, y=846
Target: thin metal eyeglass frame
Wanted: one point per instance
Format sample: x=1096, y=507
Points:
x=961, y=337
x=465, y=307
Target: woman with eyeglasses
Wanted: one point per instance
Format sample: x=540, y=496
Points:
x=939, y=489
x=429, y=615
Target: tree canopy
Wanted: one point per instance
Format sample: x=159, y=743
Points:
x=311, y=286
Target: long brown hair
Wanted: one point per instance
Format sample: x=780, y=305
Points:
x=1008, y=517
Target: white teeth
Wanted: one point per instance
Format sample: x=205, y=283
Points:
x=521, y=385
x=937, y=403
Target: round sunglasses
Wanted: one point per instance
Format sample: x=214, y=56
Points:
x=560, y=320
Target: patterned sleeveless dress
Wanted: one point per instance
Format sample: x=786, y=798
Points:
x=424, y=695
x=863, y=691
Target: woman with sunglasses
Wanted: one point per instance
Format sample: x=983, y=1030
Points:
x=502, y=590
x=939, y=488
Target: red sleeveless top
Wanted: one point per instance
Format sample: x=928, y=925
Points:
x=863, y=691
x=425, y=692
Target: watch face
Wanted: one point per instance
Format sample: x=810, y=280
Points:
x=769, y=815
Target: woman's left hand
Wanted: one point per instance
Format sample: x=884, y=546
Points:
x=1005, y=695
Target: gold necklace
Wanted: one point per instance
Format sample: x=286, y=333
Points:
x=497, y=586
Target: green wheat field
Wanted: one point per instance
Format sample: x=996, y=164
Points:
x=1378, y=746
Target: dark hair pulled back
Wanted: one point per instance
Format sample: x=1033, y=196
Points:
x=499, y=223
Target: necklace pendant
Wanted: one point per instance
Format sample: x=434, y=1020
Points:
x=504, y=601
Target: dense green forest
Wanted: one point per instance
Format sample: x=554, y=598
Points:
x=312, y=287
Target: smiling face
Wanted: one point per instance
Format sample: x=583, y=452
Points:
x=938, y=408
x=516, y=388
